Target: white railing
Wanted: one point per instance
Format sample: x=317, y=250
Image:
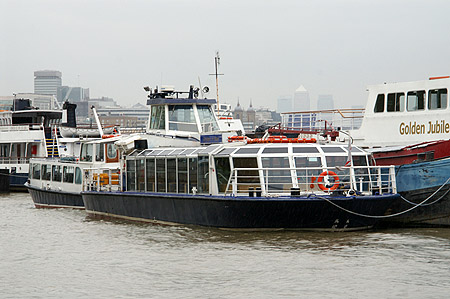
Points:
x=277, y=181
x=285, y=181
x=14, y=160
x=102, y=179
x=345, y=119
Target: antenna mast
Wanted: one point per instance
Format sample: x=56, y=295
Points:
x=217, y=62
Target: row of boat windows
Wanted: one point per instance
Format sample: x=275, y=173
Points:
x=415, y=100
x=56, y=173
x=88, y=152
x=191, y=174
x=182, y=118
x=245, y=150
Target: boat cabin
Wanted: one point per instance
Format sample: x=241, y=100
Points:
x=263, y=169
x=184, y=119
x=405, y=113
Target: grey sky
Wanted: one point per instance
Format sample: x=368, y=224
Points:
x=267, y=48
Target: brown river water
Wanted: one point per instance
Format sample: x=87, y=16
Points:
x=60, y=253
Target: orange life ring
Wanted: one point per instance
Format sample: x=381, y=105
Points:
x=322, y=186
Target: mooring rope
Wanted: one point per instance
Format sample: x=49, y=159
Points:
x=386, y=216
x=431, y=203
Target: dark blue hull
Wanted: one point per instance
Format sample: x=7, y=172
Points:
x=55, y=199
x=239, y=212
x=416, y=183
x=17, y=181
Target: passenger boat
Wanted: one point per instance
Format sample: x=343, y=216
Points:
x=404, y=124
x=25, y=132
x=277, y=185
x=58, y=182
x=173, y=121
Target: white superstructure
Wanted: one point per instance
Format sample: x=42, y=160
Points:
x=405, y=113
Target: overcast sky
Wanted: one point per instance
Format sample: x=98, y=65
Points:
x=267, y=48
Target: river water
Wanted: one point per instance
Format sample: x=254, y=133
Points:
x=60, y=253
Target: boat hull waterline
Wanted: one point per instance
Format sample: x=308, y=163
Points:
x=416, y=183
x=55, y=199
x=239, y=212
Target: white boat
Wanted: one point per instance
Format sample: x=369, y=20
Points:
x=406, y=124
x=25, y=133
x=256, y=186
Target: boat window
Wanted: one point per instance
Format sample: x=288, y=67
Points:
x=248, y=178
x=355, y=150
x=333, y=149
x=165, y=152
x=203, y=174
x=131, y=175
x=4, y=150
x=46, y=172
x=100, y=152
x=188, y=151
x=148, y=152
x=308, y=170
x=140, y=175
x=87, y=150
x=37, y=171
x=182, y=175
x=249, y=150
x=222, y=172
x=111, y=153
x=172, y=175
x=359, y=160
x=177, y=152
x=150, y=174
x=333, y=161
x=208, y=149
x=275, y=150
x=78, y=176
x=155, y=152
x=192, y=174
x=68, y=174
x=56, y=173
x=226, y=151
x=379, y=104
x=157, y=120
x=161, y=175
x=277, y=179
x=395, y=102
x=305, y=150
x=415, y=100
x=207, y=118
x=181, y=118
x=437, y=99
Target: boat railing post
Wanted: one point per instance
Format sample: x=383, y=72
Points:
x=379, y=181
x=392, y=179
x=234, y=183
x=352, y=178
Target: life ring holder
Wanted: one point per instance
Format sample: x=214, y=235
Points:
x=320, y=180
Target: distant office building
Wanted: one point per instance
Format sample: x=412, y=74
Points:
x=301, y=100
x=325, y=102
x=47, y=82
x=284, y=104
x=134, y=117
x=72, y=94
x=103, y=102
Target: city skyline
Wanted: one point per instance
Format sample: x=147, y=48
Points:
x=266, y=49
